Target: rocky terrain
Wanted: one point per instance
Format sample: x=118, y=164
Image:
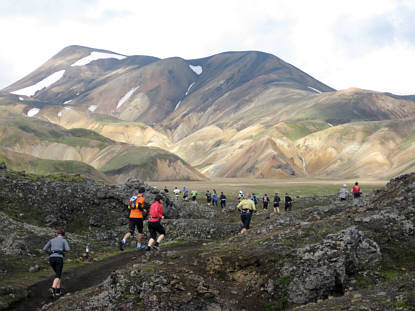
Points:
x=324, y=255
x=234, y=114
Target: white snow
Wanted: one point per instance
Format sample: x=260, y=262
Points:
x=329, y=124
x=315, y=90
x=31, y=90
x=32, y=112
x=126, y=96
x=68, y=108
x=188, y=89
x=95, y=56
x=178, y=104
x=92, y=108
x=67, y=102
x=197, y=69
x=21, y=98
x=60, y=114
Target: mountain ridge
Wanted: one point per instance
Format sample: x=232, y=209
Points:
x=194, y=107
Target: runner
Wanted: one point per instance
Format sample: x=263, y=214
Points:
x=356, y=190
x=56, y=249
x=222, y=200
x=343, y=193
x=194, y=194
x=137, y=211
x=176, y=192
x=254, y=198
x=215, y=198
x=155, y=215
x=288, y=203
x=277, y=200
x=208, y=197
x=185, y=193
x=240, y=196
x=246, y=208
x=265, y=201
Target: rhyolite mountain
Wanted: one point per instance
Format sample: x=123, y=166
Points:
x=234, y=114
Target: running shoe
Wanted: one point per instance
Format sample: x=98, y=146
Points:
x=121, y=245
x=51, y=292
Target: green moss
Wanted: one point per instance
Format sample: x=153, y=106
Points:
x=390, y=275
x=104, y=119
x=44, y=131
x=400, y=304
x=363, y=281
x=144, y=159
x=299, y=129
x=280, y=301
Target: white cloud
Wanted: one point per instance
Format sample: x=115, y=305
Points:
x=337, y=42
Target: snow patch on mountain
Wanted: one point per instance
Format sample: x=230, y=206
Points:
x=95, y=56
x=68, y=108
x=126, y=96
x=60, y=114
x=188, y=89
x=315, y=90
x=31, y=90
x=32, y=112
x=67, y=102
x=197, y=69
x=178, y=104
x=329, y=124
x=92, y=108
x=21, y=99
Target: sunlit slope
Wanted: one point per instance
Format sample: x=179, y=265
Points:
x=46, y=141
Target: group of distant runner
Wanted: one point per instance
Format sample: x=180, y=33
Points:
x=212, y=198
x=344, y=193
x=247, y=205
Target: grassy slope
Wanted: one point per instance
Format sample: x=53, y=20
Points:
x=18, y=130
x=22, y=162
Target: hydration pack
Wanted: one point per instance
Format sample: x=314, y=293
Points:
x=136, y=203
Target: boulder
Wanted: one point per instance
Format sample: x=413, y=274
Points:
x=322, y=270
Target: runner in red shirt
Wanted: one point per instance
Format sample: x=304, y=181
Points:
x=356, y=190
x=154, y=216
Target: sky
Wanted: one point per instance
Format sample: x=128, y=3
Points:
x=367, y=44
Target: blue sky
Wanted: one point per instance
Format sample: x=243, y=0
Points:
x=367, y=44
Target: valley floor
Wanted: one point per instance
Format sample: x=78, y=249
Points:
x=296, y=187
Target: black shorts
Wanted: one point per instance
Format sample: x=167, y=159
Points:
x=154, y=227
x=276, y=204
x=208, y=200
x=356, y=195
x=136, y=222
x=57, y=265
x=246, y=219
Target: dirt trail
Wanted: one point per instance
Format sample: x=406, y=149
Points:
x=77, y=278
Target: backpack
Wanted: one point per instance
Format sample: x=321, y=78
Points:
x=136, y=203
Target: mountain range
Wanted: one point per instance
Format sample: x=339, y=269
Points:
x=234, y=114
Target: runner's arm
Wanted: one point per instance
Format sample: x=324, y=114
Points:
x=46, y=247
x=66, y=246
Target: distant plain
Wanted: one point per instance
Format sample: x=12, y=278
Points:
x=295, y=187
